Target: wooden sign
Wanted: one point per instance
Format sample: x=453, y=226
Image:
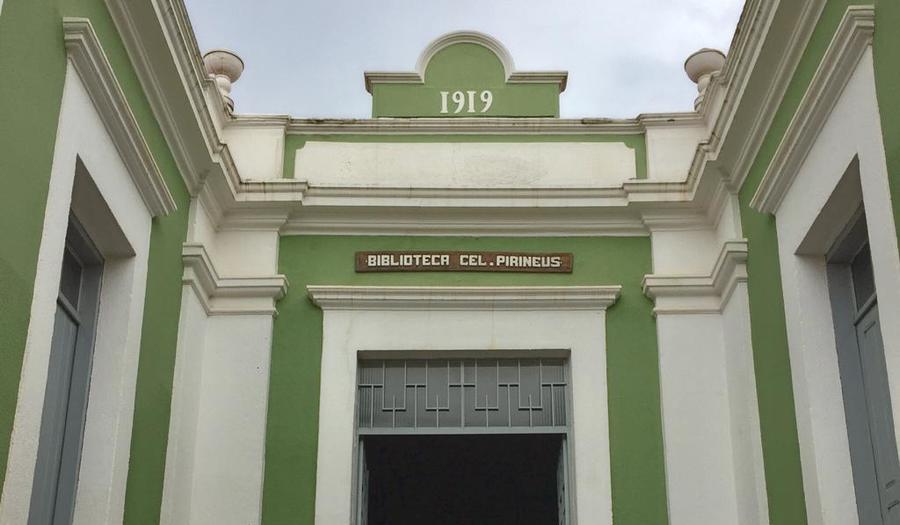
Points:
x=400, y=261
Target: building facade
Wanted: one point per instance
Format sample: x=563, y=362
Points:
x=462, y=310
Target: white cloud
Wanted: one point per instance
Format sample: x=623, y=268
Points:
x=306, y=58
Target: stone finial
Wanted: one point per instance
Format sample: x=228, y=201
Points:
x=700, y=67
x=225, y=67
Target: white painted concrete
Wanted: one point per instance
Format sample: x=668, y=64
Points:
x=670, y=150
x=696, y=414
x=229, y=451
x=852, y=129
x=746, y=436
x=258, y=151
x=216, y=452
x=186, y=392
x=345, y=332
x=234, y=252
x=238, y=253
x=465, y=165
x=711, y=433
x=684, y=252
x=104, y=467
x=216, y=444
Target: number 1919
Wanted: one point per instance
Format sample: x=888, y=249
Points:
x=466, y=100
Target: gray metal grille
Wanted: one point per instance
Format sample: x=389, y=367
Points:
x=462, y=396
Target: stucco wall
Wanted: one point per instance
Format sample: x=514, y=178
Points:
x=33, y=64
x=638, y=482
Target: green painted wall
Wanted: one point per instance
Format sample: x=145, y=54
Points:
x=770, y=347
x=638, y=480
x=887, y=85
x=33, y=62
x=636, y=141
x=462, y=67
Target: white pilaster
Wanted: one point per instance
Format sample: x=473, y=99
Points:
x=713, y=450
x=216, y=450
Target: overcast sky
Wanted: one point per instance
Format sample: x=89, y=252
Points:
x=306, y=58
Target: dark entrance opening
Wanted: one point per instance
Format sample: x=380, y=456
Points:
x=505, y=479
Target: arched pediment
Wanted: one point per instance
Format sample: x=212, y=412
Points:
x=465, y=74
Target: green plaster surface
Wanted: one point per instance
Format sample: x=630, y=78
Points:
x=30, y=33
x=887, y=85
x=781, y=452
x=635, y=141
x=636, y=448
x=463, y=67
x=33, y=62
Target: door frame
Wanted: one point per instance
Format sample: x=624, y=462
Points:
x=453, y=320
x=360, y=467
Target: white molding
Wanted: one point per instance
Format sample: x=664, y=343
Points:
x=76, y=187
x=485, y=222
x=86, y=53
x=630, y=210
x=476, y=125
x=431, y=329
x=229, y=295
x=211, y=171
x=463, y=297
x=466, y=37
x=850, y=41
x=784, y=73
x=700, y=293
x=815, y=206
x=132, y=27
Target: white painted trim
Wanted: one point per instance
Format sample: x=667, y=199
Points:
x=213, y=167
x=229, y=295
x=467, y=37
x=86, y=53
x=224, y=193
x=476, y=125
x=442, y=320
x=84, y=135
x=700, y=293
x=132, y=27
x=850, y=41
x=784, y=73
x=464, y=297
x=519, y=222
x=813, y=209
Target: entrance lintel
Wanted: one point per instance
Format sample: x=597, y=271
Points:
x=464, y=297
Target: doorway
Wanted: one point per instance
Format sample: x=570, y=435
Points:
x=452, y=480
x=68, y=381
x=463, y=441
x=864, y=379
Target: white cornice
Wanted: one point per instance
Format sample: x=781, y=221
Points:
x=634, y=210
x=512, y=222
x=93, y=67
x=184, y=99
x=475, y=125
x=676, y=294
x=464, y=297
x=467, y=37
x=783, y=74
x=127, y=25
x=850, y=41
x=229, y=295
x=193, y=131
